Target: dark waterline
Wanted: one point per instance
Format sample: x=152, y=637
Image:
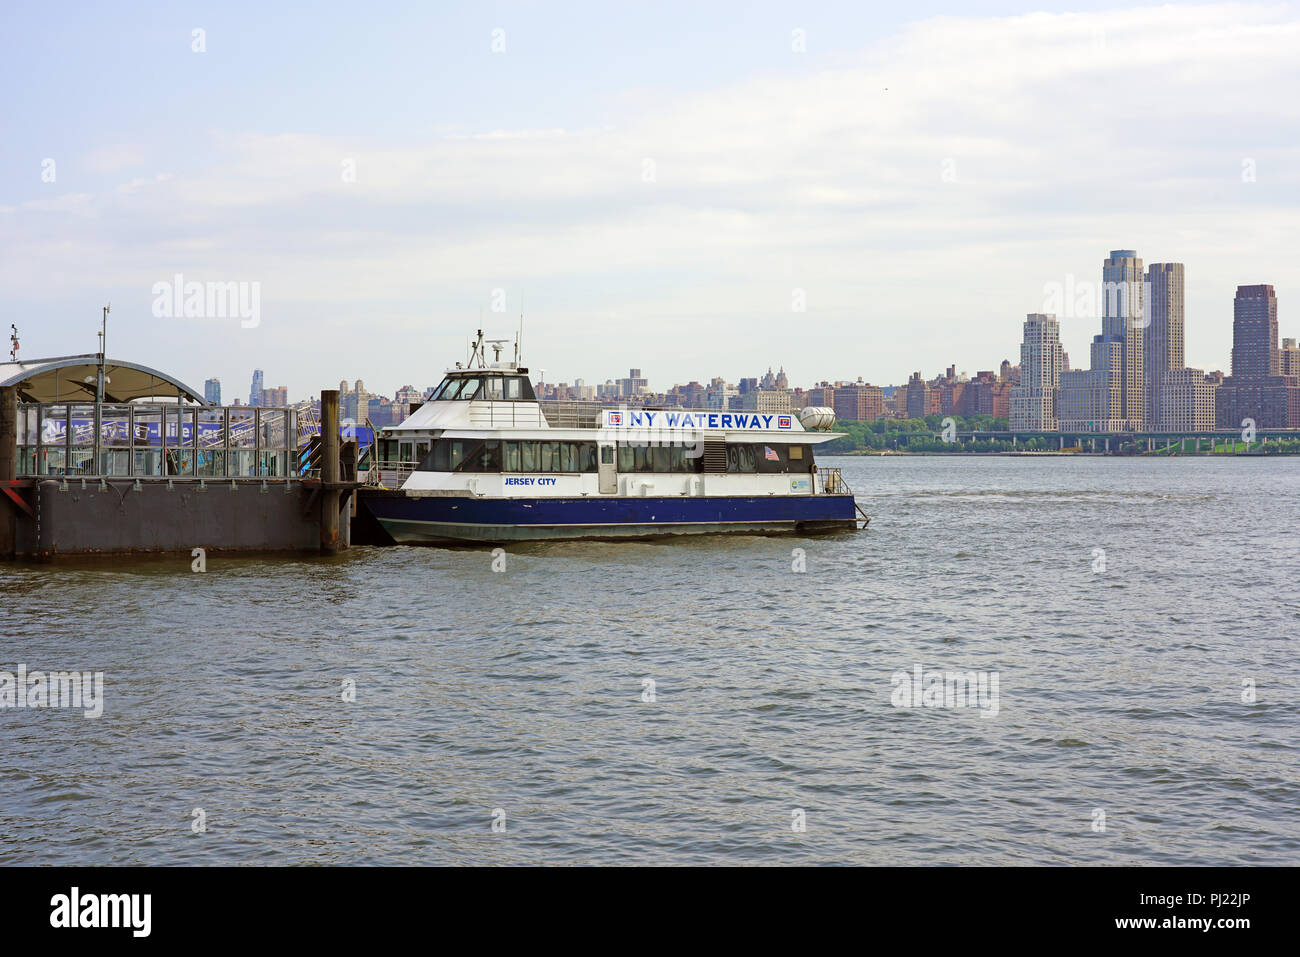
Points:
x=1120, y=690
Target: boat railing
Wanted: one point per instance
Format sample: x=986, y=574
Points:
x=504, y=415
x=389, y=473
x=572, y=414
x=831, y=482
x=586, y=413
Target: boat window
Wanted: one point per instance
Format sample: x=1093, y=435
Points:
x=666, y=459
x=421, y=450
x=528, y=456
x=587, y=456
x=465, y=389
x=512, y=390
x=771, y=458
x=488, y=458
x=569, y=457
x=740, y=458
x=459, y=448
x=493, y=389
x=438, y=392
x=510, y=457
x=549, y=459
x=607, y=455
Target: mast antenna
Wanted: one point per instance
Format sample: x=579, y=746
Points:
x=103, y=342
x=519, y=339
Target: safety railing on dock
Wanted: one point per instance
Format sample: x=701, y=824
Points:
x=156, y=441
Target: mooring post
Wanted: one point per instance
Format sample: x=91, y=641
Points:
x=329, y=471
x=8, y=467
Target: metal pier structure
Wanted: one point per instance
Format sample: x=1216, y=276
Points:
x=82, y=478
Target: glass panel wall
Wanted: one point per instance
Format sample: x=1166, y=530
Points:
x=155, y=441
x=81, y=428
x=146, y=428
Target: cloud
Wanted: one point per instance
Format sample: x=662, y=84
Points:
x=114, y=158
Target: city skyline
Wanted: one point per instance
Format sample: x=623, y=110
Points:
x=848, y=174
x=1136, y=379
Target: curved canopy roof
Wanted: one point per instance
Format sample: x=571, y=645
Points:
x=72, y=379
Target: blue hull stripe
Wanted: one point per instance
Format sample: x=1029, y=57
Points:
x=609, y=510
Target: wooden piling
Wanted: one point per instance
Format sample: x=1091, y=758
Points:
x=329, y=471
x=8, y=467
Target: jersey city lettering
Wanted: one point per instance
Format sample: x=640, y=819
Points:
x=530, y=481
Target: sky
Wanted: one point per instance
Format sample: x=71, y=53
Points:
x=843, y=189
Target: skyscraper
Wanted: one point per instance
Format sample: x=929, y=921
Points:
x=1162, y=339
x=1257, y=390
x=1254, y=333
x=1123, y=312
x=212, y=392
x=1290, y=358
x=1110, y=396
x=1033, y=401
x=255, y=393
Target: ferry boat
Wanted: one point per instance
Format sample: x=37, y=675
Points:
x=482, y=460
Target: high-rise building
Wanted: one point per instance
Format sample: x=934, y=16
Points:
x=765, y=400
x=634, y=384
x=212, y=392
x=1187, y=401
x=354, y=404
x=857, y=401
x=1110, y=396
x=1257, y=390
x=987, y=394
x=1162, y=339
x=719, y=394
x=406, y=397
x=1289, y=359
x=1042, y=361
x=255, y=393
x=1254, y=333
x=918, y=397
x=1123, y=319
x=277, y=398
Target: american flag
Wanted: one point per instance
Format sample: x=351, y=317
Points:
x=770, y=454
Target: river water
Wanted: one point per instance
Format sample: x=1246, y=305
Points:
x=1137, y=619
